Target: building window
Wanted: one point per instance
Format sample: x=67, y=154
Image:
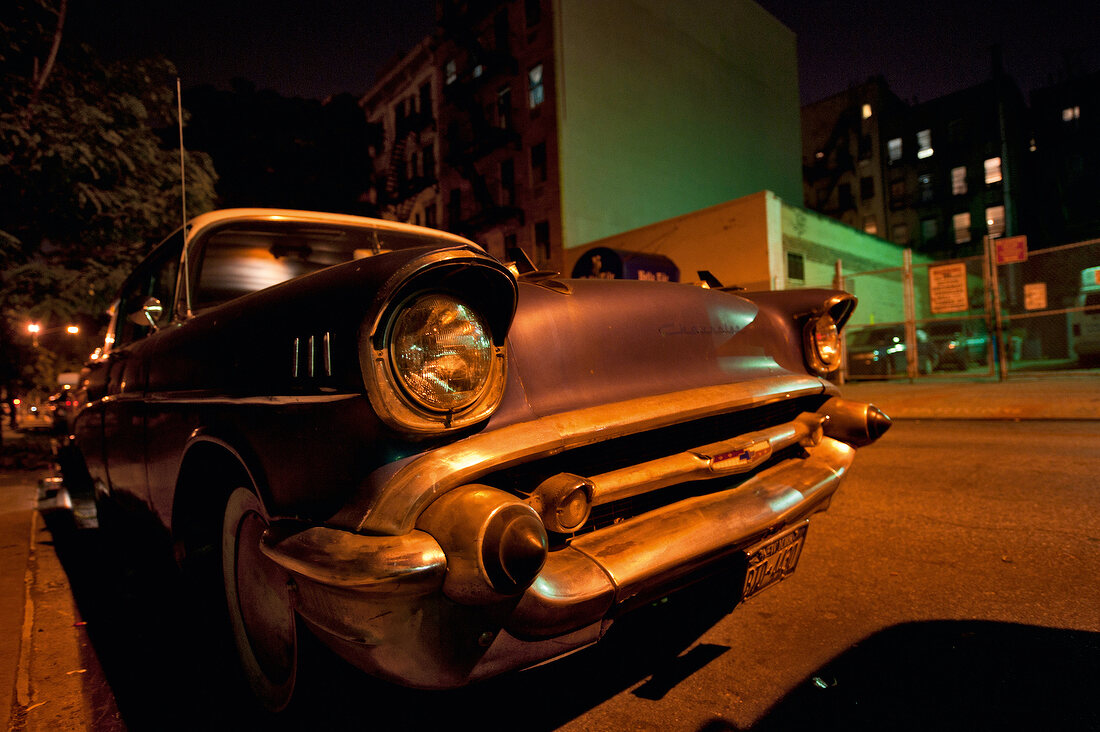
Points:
x=844, y=198
x=956, y=130
x=533, y=11
x=866, y=187
x=796, y=267
x=897, y=193
x=924, y=144
x=924, y=185
x=504, y=108
x=429, y=161
x=995, y=220
x=450, y=71
x=929, y=229
x=870, y=225
x=536, y=94
x=958, y=181
x=992, y=171
x=866, y=111
x=899, y=234
x=542, y=242
x=961, y=223
x=429, y=216
x=893, y=149
x=1071, y=113
x=507, y=182
x=538, y=163
x=864, y=147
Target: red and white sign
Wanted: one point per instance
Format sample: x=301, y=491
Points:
x=1011, y=249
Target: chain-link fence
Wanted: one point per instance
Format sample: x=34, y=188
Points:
x=937, y=318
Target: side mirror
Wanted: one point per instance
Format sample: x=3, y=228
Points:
x=149, y=314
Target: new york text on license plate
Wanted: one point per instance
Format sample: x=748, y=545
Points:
x=773, y=559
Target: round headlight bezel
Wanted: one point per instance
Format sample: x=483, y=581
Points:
x=398, y=403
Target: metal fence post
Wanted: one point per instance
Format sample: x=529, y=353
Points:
x=999, y=352
x=838, y=284
x=911, y=356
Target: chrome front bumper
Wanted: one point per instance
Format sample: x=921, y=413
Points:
x=379, y=601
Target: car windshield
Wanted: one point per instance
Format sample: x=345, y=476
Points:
x=251, y=256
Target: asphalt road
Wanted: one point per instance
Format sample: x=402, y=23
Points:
x=951, y=585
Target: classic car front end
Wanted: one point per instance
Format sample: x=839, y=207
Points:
x=444, y=470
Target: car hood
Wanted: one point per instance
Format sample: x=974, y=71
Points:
x=580, y=343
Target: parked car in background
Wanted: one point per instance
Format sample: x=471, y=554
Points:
x=443, y=466
x=883, y=351
x=957, y=343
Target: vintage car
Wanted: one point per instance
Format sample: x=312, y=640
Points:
x=442, y=466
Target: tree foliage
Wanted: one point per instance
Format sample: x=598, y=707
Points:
x=86, y=184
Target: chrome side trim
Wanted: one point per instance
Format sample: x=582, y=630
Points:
x=341, y=559
x=391, y=504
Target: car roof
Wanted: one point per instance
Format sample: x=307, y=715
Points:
x=214, y=218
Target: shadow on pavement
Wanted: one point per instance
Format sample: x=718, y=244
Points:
x=949, y=675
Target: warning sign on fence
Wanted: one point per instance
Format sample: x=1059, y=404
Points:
x=1035, y=296
x=947, y=288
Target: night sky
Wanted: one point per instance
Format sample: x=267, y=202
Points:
x=322, y=47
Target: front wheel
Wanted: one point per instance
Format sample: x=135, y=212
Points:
x=260, y=612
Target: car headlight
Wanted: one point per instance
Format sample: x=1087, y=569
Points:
x=824, y=344
x=436, y=366
x=442, y=352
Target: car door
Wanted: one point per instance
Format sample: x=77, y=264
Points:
x=125, y=409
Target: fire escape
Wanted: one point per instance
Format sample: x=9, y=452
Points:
x=397, y=186
x=470, y=136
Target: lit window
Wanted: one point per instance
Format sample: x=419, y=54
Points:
x=535, y=93
x=893, y=149
x=450, y=72
x=924, y=144
x=1071, y=113
x=870, y=225
x=479, y=70
x=961, y=224
x=866, y=111
x=958, y=180
x=995, y=220
x=992, y=171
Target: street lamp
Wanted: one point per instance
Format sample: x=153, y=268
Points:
x=35, y=329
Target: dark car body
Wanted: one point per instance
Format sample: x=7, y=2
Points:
x=443, y=469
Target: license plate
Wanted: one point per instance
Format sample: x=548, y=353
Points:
x=773, y=559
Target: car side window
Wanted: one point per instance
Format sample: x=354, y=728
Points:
x=156, y=277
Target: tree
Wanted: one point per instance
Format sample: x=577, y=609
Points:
x=88, y=186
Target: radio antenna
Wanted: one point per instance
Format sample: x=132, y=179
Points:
x=183, y=197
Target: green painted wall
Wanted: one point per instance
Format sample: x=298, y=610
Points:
x=669, y=107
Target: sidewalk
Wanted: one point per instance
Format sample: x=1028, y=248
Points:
x=1069, y=397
